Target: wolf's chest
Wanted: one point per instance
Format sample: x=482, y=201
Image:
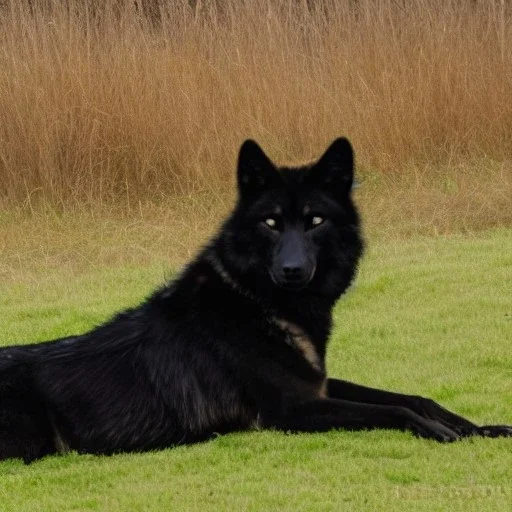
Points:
x=301, y=342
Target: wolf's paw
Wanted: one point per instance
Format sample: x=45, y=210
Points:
x=430, y=429
x=495, y=431
x=431, y=410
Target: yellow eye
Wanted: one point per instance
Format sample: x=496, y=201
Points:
x=316, y=220
x=271, y=223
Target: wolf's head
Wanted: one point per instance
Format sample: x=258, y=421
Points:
x=294, y=229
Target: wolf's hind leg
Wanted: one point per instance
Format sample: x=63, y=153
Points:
x=24, y=434
x=25, y=429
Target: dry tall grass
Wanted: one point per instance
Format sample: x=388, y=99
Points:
x=119, y=103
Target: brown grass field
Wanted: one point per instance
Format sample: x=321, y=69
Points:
x=120, y=121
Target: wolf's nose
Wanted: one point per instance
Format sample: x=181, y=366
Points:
x=292, y=271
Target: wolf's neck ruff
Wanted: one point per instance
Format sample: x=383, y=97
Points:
x=219, y=268
x=295, y=336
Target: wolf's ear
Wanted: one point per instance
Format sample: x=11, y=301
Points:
x=256, y=172
x=335, y=169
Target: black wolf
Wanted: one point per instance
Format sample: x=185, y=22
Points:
x=237, y=342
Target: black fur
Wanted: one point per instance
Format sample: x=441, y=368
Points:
x=236, y=342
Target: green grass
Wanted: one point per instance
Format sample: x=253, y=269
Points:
x=431, y=316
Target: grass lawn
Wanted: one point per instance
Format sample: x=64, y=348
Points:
x=430, y=316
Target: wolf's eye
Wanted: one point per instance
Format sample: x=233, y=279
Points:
x=271, y=223
x=315, y=221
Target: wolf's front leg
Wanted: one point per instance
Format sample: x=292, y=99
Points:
x=424, y=407
x=327, y=414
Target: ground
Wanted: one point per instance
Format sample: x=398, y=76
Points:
x=428, y=315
